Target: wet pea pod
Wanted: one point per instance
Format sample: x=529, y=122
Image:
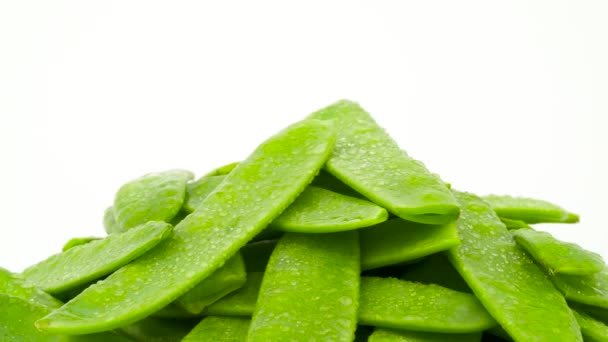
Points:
x=400, y=304
x=73, y=242
x=310, y=289
x=529, y=210
x=152, y=197
x=397, y=241
x=369, y=161
x=592, y=330
x=225, y=280
x=514, y=224
x=589, y=289
x=392, y=335
x=220, y=329
x=506, y=280
x=228, y=218
x=557, y=256
x=199, y=189
x=85, y=263
x=14, y=285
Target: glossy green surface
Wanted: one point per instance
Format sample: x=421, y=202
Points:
x=78, y=242
x=310, y=289
x=220, y=329
x=223, y=281
x=506, y=280
x=590, y=289
x=85, y=263
x=199, y=189
x=557, y=256
x=153, y=329
x=233, y=214
x=436, y=269
x=397, y=241
x=529, y=210
x=152, y=197
x=400, y=304
x=240, y=302
x=14, y=285
x=369, y=161
x=592, y=330
x=17, y=317
x=392, y=335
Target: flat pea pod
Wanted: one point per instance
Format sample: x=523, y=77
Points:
x=557, y=256
x=154, y=329
x=592, y=330
x=397, y=241
x=225, y=280
x=514, y=224
x=400, y=304
x=220, y=329
x=310, y=289
x=436, y=269
x=152, y=197
x=240, y=302
x=73, y=242
x=392, y=335
x=83, y=264
x=110, y=224
x=529, y=210
x=199, y=189
x=369, y=161
x=590, y=289
x=14, y=285
x=250, y=197
x=506, y=280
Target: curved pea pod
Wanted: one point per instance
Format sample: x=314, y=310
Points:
x=514, y=224
x=199, y=190
x=392, y=335
x=310, y=289
x=436, y=269
x=397, y=241
x=506, y=280
x=158, y=329
x=225, y=280
x=152, y=197
x=78, y=242
x=590, y=289
x=592, y=330
x=110, y=224
x=558, y=256
x=400, y=304
x=83, y=264
x=369, y=161
x=240, y=302
x=220, y=329
x=223, y=170
x=529, y=210
x=15, y=286
x=250, y=197
x=318, y=210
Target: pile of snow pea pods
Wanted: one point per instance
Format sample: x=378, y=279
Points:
x=328, y=231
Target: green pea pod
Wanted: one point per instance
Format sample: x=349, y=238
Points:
x=199, y=190
x=223, y=170
x=85, y=263
x=110, y=224
x=318, y=210
x=225, y=280
x=400, y=304
x=152, y=197
x=514, y=224
x=506, y=281
x=250, y=197
x=256, y=254
x=310, y=289
x=369, y=161
x=391, y=335
x=529, y=210
x=159, y=330
x=397, y=241
x=436, y=269
x=15, y=286
x=558, y=256
x=590, y=289
x=592, y=330
x=240, y=302
x=78, y=242
x=220, y=329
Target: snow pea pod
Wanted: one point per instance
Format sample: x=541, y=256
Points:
x=199, y=190
x=400, y=304
x=85, y=263
x=557, y=256
x=78, y=242
x=397, y=241
x=15, y=286
x=152, y=197
x=506, y=280
x=592, y=330
x=226, y=279
x=310, y=289
x=220, y=329
x=369, y=161
x=391, y=335
x=514, y=224
x=529, y=210
x=590, y=289
x=250, y=197
x=240, y=302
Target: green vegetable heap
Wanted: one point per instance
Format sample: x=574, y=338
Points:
x=328, y=231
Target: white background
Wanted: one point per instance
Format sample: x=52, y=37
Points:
x=495, y=96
